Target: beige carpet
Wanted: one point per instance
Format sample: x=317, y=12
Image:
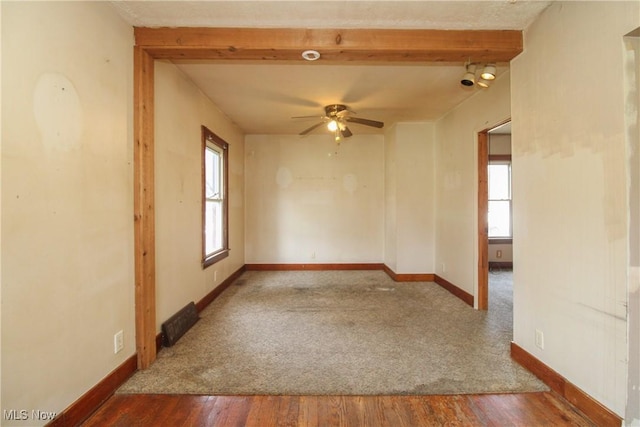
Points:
x=341, y=332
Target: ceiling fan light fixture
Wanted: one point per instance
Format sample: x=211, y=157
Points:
x=489, y=72
x=311, y=55
x=337, y=117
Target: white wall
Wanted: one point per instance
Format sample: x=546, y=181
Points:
x=67, y=150
x=181, y=109
x=570, y=194
x=309, y=201
x=409, y=196
x=457, y=181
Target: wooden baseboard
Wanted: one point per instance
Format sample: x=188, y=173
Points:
x=463, y=295
x=593, y=409
x=409, y=277
x=208, y=299
x=500, y=264
x=314, y=267
x=89, y=402
x=215, y=293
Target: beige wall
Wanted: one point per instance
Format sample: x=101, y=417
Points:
x=632, y=124
x=506, y=252
x=67, y=201
x=499, y=144
x=409, y=198
x=457, y=181
x=390, y=200
x=310, y=201
x=181, y=109
x=570, y=194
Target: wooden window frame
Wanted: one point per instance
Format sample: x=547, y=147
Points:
x=209, y=259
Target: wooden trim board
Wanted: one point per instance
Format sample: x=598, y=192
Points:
x=144, y=207
x=499, y=157
x=500, y=264
x=215, y=293
x=314, y=267
x=335, y=45
x=483, y=224
x=463, y=295
x=409, y=277
x=430, y=277
x=593, y=409
x=89, y=402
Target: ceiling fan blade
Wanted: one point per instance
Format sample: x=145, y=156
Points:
x=308, y=117
x=365, y=122
x=346, y=133
x=306, y=131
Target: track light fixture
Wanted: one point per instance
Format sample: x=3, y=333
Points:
x=469, y=77
x=483, y=83
x=486, y=76
x=489, y=72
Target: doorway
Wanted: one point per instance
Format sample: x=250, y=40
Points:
x=494, y=205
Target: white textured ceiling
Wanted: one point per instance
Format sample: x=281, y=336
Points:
x=399, y=14
x=262, y=97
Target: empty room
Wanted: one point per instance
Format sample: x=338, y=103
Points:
x=309, y=186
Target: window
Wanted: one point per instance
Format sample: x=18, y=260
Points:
x=499, y=216
x=215, y=235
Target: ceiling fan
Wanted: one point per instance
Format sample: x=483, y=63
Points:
x=336, y=118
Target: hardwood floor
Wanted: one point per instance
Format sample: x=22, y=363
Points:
x=525, y=409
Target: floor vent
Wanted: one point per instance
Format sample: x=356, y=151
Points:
x=178, y=324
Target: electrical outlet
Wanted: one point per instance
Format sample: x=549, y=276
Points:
x=215, y=275
x=118, y=342
x=539, y=339
x=313, y=255
x=443, y=268
x=498, y=253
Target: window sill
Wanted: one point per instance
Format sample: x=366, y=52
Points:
x=212, y=259
x=500, y=240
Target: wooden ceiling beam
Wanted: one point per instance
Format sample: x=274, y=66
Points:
x=334, y=45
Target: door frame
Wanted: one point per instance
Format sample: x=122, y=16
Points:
x=340, y=46
x=483, y=209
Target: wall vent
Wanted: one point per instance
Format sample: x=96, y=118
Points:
x=178, y=324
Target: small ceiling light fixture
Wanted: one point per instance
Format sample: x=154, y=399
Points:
x=469, y=77
x=489, y=72
x=311, y=55
x=332, y=125
x=482, y=82
x=486, y=77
